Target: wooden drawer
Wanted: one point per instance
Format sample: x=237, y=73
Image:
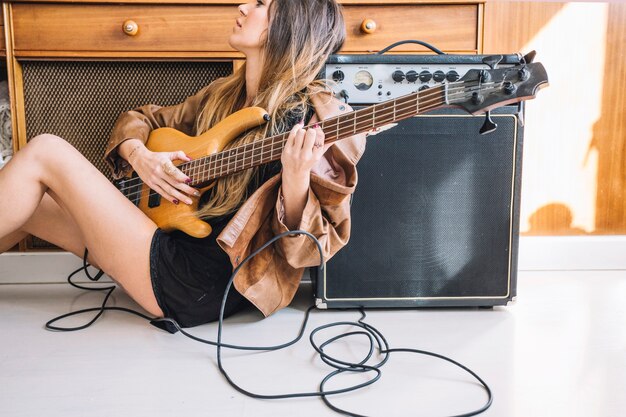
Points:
x=450, y=27
x=97, y=28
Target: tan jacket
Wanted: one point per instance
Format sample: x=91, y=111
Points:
x=270, y=279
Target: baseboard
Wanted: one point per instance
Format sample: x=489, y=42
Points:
x=572, y=253
x=536, y=253
x=39, y=267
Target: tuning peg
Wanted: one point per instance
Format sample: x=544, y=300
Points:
x=488, y=126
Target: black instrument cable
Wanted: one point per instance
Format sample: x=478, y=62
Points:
x=375, y=337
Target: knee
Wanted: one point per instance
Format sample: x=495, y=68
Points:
x=44, y=146
x=45, y=141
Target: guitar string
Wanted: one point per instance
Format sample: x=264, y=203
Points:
x=268, y=148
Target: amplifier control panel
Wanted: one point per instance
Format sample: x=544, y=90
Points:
x=360, y=82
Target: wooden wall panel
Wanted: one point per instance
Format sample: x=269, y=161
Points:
x=609, y=134
x=574, y=170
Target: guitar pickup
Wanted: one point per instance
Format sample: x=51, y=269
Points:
x=154, y=200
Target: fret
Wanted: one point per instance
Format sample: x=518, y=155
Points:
x=246, y=149
x=417, y=104
x=374, y=115
x=253, y=154
x=212, y=165
x=222, y=162
x=239, y=157
x=255, y=151
x=216, y=159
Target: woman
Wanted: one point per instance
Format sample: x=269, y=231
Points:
x=59, y=196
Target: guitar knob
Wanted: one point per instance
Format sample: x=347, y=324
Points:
x=130, y=27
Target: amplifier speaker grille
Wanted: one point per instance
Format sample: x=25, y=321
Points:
x=80, y=100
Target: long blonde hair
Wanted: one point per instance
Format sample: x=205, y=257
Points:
x=301, y=35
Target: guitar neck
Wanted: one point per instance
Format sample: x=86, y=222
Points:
x=242, y=157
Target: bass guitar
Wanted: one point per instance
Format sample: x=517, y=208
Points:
x=477, y=92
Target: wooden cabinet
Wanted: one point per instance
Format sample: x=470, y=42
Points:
x=46, y=29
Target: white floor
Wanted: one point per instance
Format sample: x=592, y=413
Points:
x=558, y=350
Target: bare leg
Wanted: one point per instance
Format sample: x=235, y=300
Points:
x=51, y=223
x=117, y=233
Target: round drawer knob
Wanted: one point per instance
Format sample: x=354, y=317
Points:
x=368, y=26
x=130, y=27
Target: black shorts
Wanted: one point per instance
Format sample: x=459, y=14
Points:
x=189, y=276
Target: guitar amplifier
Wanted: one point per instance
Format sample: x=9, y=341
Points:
x=435, y=214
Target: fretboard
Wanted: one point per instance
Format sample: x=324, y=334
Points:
x=221, y=164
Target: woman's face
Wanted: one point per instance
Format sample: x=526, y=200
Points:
x=251, y=26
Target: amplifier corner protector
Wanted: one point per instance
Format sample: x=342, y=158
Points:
x=319, y=303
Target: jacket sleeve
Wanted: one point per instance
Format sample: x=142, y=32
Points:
x=326, y=214
x=138, y=123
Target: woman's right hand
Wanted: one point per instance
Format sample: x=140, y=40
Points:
x=158, y=172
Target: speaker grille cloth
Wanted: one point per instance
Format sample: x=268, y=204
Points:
x=431, y=214
x=80, y=101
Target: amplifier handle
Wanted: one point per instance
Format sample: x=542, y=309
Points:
x=393, y=45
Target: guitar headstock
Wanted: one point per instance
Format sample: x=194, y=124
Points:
x=481, y=90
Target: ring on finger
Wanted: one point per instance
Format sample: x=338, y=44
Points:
x=168, y=167
x=319, y=144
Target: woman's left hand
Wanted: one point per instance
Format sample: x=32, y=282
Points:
x=303, y=150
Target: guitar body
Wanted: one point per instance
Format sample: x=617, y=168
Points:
x=169, y=216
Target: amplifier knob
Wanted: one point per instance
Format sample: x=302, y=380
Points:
x=130, y=27
x=452, y=76
x=398, y=76
x=338, y=76
x=368, y=26
x=411, y=76
x=425, y=76
x=439, y=76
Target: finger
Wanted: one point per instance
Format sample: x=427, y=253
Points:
x=163, y=193
x=182, y=186
x=310, y=139
x=179, y=155
x=298, y=141
x=173, y=194
x=292, y=135
x=174, y=172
